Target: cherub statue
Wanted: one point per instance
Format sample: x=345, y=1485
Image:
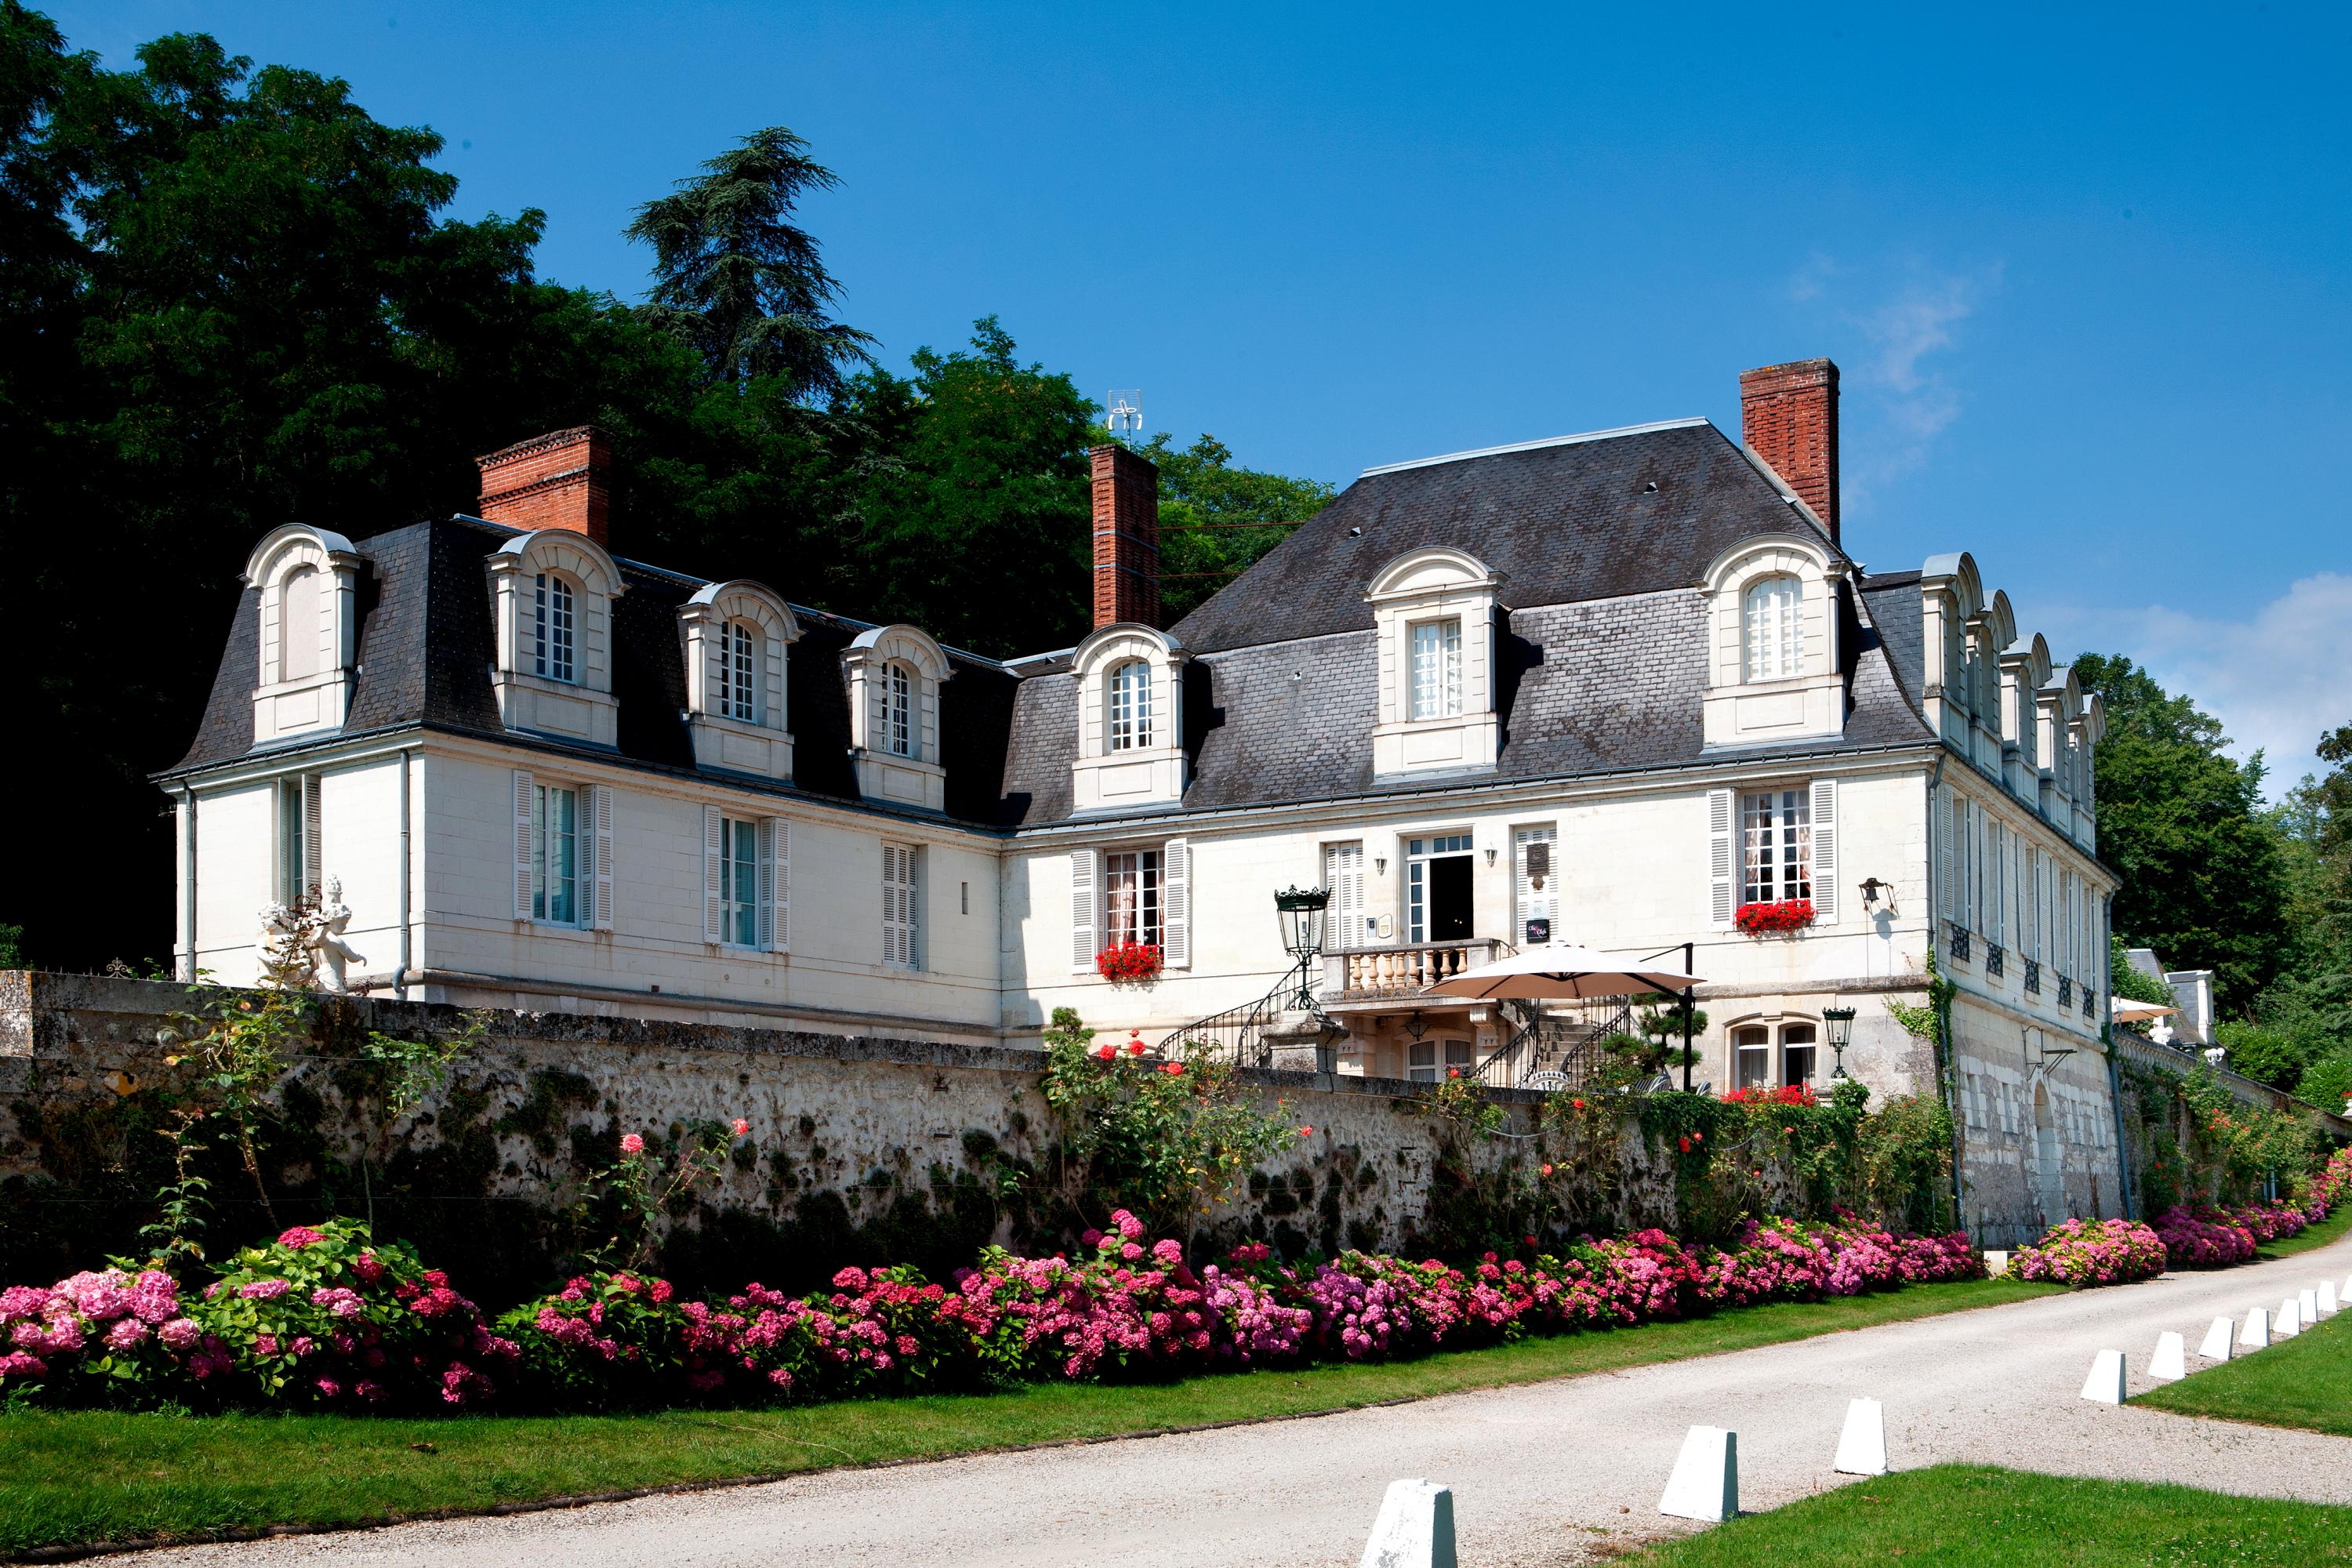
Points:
x=334, y=955
x=284, y=946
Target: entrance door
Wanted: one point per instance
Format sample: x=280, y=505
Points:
x=1437, y=888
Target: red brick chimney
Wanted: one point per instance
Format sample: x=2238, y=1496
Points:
x=1789, y=417
x=561, y=479
x=1127, y=537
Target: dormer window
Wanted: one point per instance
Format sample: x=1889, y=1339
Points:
x=554, y=591
x=307, y=581
x=1775, y=628
x=737, y=639
x=1130, y=681
x=1773, y=664
x=1436, y=612
x=553, y=622
x=894, y=719
x=1437, y=670
x=1130, y=706
x=895, y=675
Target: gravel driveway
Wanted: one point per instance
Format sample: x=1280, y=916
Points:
x=1541, y=1473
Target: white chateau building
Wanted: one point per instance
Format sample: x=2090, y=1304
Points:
x=1609, y=688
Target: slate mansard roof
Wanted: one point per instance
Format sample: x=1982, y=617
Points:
x=1600, y=542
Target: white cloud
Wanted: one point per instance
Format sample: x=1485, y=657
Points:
x=2276, y=681
x=1905, y=322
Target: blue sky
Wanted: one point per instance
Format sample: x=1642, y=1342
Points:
x=2087, y=274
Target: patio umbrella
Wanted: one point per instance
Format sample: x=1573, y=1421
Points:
x=1560, y=972
x=2130, y=1011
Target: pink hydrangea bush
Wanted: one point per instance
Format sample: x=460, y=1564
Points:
x=2333, y=1185
x=326, y=1315
x=112, y=1334
x=2080, y=1253
x=2203, y=1239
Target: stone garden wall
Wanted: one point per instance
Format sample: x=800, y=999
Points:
x=862, y=1149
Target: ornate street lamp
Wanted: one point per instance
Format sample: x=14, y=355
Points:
x=1301, y=911
x=1840, y=1022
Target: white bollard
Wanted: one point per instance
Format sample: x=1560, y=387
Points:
x=1706, y=1482
x=2328, y=1303
x=2105, y=1383
x=1861, y=1446
x=1996, y=1264
x=1415, y=1529
x=2171, y=1362
x=2345, y=1294
x=2217, y=1340
x=2288, y=1322
x=2306, y=1307
x=2258, y=1330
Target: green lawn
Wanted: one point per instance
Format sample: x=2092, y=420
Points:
x=2303, y=1382
x=89, y=1477
x=1971, y=1515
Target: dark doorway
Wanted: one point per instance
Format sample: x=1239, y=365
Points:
x=1449, y=898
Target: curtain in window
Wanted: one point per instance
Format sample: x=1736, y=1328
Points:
x=1130, y=706
x=1437, y=670
x=1776, y=843
x=1775, y=628
x=1131, y=898
x=298, y=625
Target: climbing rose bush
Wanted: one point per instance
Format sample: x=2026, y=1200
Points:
x=2082, y=1253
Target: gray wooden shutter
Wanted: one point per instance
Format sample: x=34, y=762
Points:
x=1825, y=851
x=765, y=934
x=713, y=927
x=1944, y=890
x=1176, y=904
x=1084, y=937
x=1723, y=864
x=602, y=807
x=523, y=799
x=314, y=879
x=779, y=891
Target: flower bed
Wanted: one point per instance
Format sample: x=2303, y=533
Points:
x=323, y=1316
x=1779, y=915
x=2333, y=1185
x=2080, y=1253
x=2203, y=1239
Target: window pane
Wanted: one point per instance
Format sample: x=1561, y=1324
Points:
x=1776, y=846
x=1775, y=628
x=1437, y=657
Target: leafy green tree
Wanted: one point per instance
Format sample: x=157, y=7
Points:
x=2204, y=878
x=973, y=500
x=735, y=278
x=1216, y=519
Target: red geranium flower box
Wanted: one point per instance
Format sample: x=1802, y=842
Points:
x=1128, y=960
x=1780, y=915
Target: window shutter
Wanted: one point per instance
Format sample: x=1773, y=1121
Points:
x=777, y=892
x=1085, y=939
x=314, y=879
x=1176, y=904
x=522, y=796
x=713, y=927
x=1825, y=851
x=1722, y=867
x=1944, y=890
x=764, y=936
x=1343, y=873
x=603, y=840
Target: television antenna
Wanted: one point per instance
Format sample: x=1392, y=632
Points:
x=1123, y=412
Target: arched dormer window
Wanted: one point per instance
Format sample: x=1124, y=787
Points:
x=738, y=639
x=1130, y=700
x=1772, y=659
x=554, y=591
x=1775, y=629
x=307, y=581
x=1436, y=612
x=895, y=676
x=1130, y=706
